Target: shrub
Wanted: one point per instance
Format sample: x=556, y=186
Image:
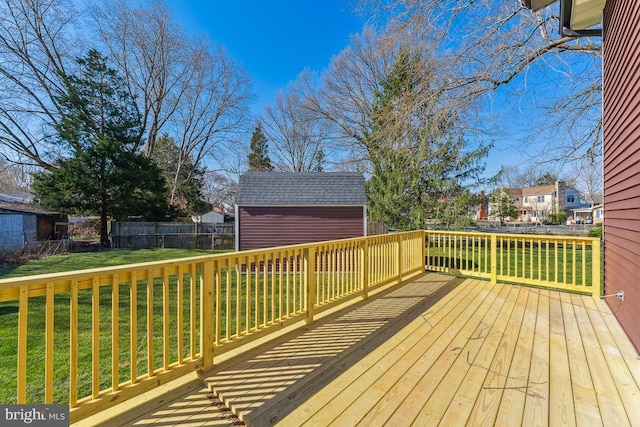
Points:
x=596, y=232
x=558, y=218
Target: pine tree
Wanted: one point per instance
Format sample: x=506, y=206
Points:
x=259, y=160
x=184, y=179
x=104, y=172
x=420, y=161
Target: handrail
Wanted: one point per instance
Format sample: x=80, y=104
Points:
x=561, y=262
x=116, y=332
x=112, y=333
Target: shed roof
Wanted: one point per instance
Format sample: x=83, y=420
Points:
x=301, y=189
x=24, y=208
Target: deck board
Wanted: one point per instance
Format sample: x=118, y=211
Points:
x=436, y=350
x=561, y=407
x=585, y=402
x=430, y=348
x=487, y=405
x=469, y=341
x=470, y=387
x=536, y=410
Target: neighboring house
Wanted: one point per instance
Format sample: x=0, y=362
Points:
x=598, y=214
x=22, y=223
x=537, y=203
x=594, y=212
x=284, y=208
x=211, y=217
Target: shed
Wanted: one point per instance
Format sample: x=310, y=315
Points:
x=21, y=223
x=211, y=217
x=286, y=208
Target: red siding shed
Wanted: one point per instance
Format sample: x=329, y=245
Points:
x=285, y=208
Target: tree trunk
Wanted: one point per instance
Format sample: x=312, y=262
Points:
x=104, y=233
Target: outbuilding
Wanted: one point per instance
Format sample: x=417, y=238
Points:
x=22, y=224
x=286, y=208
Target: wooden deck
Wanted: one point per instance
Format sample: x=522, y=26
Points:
x=437, y=350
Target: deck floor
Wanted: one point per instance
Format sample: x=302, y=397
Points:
x=437, y=350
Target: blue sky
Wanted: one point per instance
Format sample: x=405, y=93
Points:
x=273, y=40
x=276, y=40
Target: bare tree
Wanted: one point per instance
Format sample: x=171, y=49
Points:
x=588, y=179
x=14, y=178
x=532, y=175
x=488, y=44
x=36, y=48
x=297, y=134
x=346, y=95
x=185, y=87
x=219, y=190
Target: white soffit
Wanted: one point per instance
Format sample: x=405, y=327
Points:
x=586, y=13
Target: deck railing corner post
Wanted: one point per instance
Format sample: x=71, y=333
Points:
x=423, y=253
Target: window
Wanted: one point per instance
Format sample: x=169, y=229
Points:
x=571, y=198
x=540, y=199
x=526, y=200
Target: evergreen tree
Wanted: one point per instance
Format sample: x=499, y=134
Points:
x=420, y=162
x=259, y=160
x=503, y=204
x=546, y=179
x=103, y=173
x=185, y=180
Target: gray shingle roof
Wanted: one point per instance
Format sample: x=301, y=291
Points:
x=301, y=189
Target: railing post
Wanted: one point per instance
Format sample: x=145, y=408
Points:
x=494, y=259
x=206, y=315
x=400, y=255
x=424, y=249
x=310, y=281
x=364, y=267
x=23, y=306
x=596, y=272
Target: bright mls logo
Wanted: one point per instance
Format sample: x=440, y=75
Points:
x=34, y=415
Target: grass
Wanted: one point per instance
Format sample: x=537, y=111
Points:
x=105, y=258
x=244, y=285
x=521, y=262
x=36, y=323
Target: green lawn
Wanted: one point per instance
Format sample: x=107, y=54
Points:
x=36, y=323
x=248, y=284
x=530, y=264
x=105, y=258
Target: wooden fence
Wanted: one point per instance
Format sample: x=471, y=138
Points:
x=181, y=235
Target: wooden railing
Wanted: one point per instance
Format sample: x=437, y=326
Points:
x=559, y=262
x=96, y=337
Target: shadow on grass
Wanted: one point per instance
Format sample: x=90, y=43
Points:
x=450, y=262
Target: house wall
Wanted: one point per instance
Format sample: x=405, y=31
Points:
x=11, y=232
x=261, y=227
x=621, y=126
x=213, y=217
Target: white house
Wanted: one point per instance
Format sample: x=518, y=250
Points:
x=537, y=203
